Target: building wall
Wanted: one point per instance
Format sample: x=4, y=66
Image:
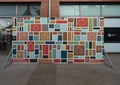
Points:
x=55, y=5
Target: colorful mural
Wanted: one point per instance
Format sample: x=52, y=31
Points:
x=57, y=40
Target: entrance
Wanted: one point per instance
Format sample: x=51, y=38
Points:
x=5, y=34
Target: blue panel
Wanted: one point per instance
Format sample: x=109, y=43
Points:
x=30, y=37
x=36, y=51
x=59, y=38
x=63, y=54
x=14, y=51
x=99, y=38
x=51, y=26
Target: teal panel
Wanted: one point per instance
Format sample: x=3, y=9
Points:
x=32, y=55
x=13, y=55
x=40, y=54
x=54, y=37
x=84, y=29
x=14, y=33
x=63, y=27
x=25, y=53
x=25, y=27
x=62, y=47
x=83, y=38
x=29, y=21
x=58, y=53
x=25, y=46
x=36, y=56
x=57, y=26
x=51, y=29
x=81, y=57
x=77, y=38
x=87, y=45
x=99, y=56
x=71, y=47
x=18, y=42
x=59, y=42
x=54, y=53
x=44, y=20
x=99, y=43
x=36, y=38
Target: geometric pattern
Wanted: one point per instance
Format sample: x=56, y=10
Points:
x=58, y=40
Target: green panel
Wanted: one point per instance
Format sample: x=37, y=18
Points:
x=90, y=24
x=39, y=42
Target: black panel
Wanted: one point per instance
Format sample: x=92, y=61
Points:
x=45, y=56
x=33, y=60
x=112, y=35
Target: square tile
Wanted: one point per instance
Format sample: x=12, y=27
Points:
x=44, y=36
x=78, y=50
x=20, y=54
x=45, y=27
x=99, y=49
x=23, y=35
x=91, y=36
x=82, y=22
x=35, y=27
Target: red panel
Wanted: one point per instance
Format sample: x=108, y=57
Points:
x=69, y=29
x=45, y=49
x=79, y=60
x=20, y=60
x=76, y=33
x=56, y=60
x=35, y=27
x=30, y=46
x=61, y=21
x=67, y=47
x=54, y=33
x=22, y=47
x=82, y=22
x=18, y=36
x=96, y=61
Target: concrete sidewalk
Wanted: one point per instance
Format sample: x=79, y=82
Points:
x=64, y=74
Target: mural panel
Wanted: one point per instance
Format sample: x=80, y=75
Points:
x=58, y=40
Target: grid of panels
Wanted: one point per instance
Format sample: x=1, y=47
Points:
x=57, y=40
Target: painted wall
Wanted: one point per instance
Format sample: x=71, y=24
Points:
x=57, y=40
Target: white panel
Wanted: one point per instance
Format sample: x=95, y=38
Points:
x=112, y=22
x=69, y=10
x=112, y=47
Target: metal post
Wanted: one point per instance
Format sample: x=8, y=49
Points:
x=49, y=8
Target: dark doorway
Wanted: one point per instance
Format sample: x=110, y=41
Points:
x=5, y=34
